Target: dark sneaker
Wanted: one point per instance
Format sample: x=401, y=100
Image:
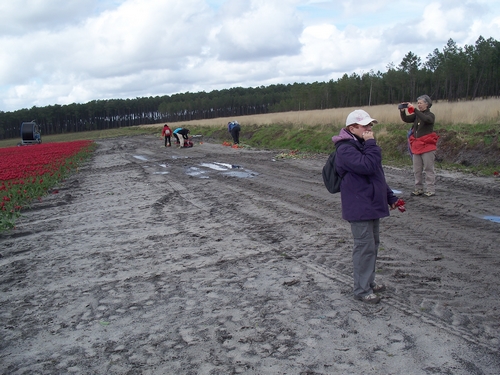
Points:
x=378, y=288
x=370, y=298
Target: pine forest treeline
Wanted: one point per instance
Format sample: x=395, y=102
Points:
x=454, y=73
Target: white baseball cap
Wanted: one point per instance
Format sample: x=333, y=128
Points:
x=359, y=117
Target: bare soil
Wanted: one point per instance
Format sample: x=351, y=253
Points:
x=213, y=260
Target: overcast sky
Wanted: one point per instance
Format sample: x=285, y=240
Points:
x=75, y=51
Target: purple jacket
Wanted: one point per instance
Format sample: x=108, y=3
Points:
x=364, y=192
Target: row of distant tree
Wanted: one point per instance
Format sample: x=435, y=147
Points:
x=451, y=74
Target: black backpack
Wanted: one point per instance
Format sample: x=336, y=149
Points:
x=331, y=178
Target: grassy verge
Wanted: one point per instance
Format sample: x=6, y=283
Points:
x=467, y=148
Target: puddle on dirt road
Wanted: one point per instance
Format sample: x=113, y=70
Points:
x=216, y=166
x=226, y=169
x=240, y=174
x=220, y=166
x=495, y=219
x=196, y=172
x=164, y=166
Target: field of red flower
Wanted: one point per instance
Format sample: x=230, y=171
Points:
x=28, y=172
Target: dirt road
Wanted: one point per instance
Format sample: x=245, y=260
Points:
x=214, y=260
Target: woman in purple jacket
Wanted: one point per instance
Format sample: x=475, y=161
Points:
x=365, y=197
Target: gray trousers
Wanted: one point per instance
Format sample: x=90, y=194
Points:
x=364, y=255
x=424, y=163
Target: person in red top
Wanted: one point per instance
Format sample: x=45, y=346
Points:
x=166, y=133
x=423, y=144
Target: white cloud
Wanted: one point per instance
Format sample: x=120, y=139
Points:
x=261, y=30
x=484, y=28
x=353, y=8
x=329, y=51
x=22, y=16
x=438, y=23
x=59, y=52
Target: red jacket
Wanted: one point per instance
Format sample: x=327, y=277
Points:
x=166, y=131
x=423, y=144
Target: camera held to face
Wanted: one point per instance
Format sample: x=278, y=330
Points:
x=403, y=105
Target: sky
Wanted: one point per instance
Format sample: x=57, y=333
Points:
x=75, y=51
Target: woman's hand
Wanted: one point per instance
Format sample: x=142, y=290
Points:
x=411, y=109
x=368, y=134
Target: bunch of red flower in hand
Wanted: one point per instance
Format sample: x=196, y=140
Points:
x=400, y=204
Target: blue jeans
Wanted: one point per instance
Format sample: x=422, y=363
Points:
x=235, y=133
x=364, y=255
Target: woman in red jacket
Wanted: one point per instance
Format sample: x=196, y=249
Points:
x=423, y=144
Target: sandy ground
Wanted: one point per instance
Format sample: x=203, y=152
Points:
x=212, y=260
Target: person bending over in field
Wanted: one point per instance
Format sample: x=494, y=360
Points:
x=234, y=128
x=181, y=134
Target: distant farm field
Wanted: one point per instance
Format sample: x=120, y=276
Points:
x=485, y=111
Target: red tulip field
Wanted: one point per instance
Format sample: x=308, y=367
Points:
x=27, y=173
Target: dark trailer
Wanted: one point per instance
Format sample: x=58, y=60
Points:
x=30, y=133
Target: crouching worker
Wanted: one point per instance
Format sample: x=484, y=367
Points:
x=234, y=128
x=181, y=134
x=365, y=197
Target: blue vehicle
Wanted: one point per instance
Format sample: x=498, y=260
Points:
x=30, y=133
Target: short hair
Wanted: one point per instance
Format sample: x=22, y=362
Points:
x=426, y=99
